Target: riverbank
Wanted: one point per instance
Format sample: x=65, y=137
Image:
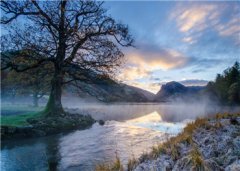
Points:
x=206, y=144
x=35, y=125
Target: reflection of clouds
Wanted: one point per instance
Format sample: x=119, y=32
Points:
x=152, y=117
x=118, y=112
x=178, y=112
x=81, y=150
x=155, y=122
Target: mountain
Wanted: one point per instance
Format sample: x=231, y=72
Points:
x=111, y=91
x=108, y=90
x=174, y=91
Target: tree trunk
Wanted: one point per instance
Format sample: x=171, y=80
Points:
x=35, y=99
x=54, y=105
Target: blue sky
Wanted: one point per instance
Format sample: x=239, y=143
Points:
x=188, y=42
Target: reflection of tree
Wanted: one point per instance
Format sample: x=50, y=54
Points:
x=52, y=153
x=31, y=154
x=24, y=155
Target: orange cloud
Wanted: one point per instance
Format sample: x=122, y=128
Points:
x=142, y=63
x=164, y=59
x=133, y=73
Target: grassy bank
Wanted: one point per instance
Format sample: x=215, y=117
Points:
x=14, y=115
x=27, y=122
x=173, y=146
x=19, y=120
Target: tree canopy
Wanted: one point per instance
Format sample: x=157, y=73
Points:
x=226, y=87
x=78, y=37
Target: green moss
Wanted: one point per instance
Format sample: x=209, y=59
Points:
x=19, y=120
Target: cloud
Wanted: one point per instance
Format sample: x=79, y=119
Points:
x=131, y=73
x=189, y=40
x=193, y=19
x=197, y=40
x=144, y=61
x=152, y=87
x=204, y=62
x=189, y=82
x=198, y=70
x=194, y=82
x=166, y=60
x=152, y=57
x=230, y=28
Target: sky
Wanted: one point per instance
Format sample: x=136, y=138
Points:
x=189, y=42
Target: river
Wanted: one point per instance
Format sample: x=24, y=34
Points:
x=129, y=131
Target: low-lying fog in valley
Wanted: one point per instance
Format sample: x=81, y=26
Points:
x=170, y=112
x=130, y=129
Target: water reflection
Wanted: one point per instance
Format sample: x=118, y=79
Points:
x=52, y=153
x=30, y=154
x=153, y=117
x=24, y=157
x=129, y=131
x=88, y=149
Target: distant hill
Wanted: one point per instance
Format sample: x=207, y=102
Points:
x=174, y=91
x=111, y=91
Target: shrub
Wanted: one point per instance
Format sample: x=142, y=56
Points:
x=115, y=166
x=132, y=163
x=197, y=160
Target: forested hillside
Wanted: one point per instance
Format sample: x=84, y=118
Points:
x=226, y=87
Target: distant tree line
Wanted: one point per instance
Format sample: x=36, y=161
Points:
x=226, y=87
x=35, y=83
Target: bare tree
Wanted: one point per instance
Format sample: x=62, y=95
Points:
x=77, y=36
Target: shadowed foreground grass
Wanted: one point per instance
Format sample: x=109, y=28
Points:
x=171, y=146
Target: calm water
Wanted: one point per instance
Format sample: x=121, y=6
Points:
x=129, y=130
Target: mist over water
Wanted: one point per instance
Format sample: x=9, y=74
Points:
x=175, y=111
x=130, y=129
